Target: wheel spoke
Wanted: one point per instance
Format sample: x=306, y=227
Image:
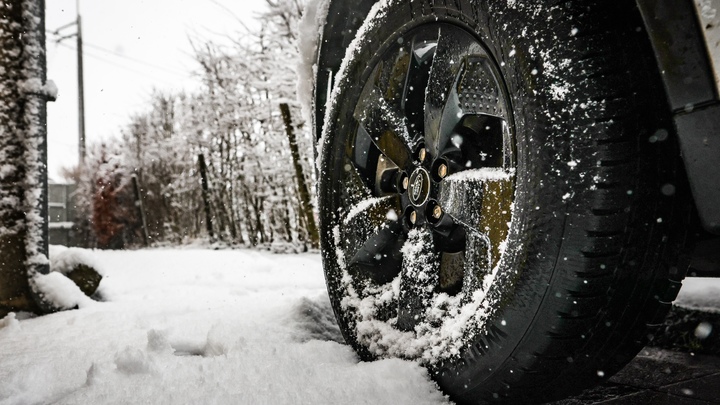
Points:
x=355, y=184
x=419, y=278
x=385, y=126
x=413, y=100
x=371, y=235
x=480, y=200
x=442, y=111
x=374, y=168
x=380, y=258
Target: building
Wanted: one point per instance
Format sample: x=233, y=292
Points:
x=62, y=214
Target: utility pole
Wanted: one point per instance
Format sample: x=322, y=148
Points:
x=81, y=91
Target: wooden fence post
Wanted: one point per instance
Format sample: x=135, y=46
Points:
x=141, y=208
x=206, y=196
x=304, y=191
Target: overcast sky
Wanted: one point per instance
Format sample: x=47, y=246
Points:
x=130, y=47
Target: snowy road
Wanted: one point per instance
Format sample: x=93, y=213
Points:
x=200, y=327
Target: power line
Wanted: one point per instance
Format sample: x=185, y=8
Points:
x=177, y=73
x=119, y=55
x=115, y=64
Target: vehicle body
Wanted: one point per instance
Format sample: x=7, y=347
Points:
x=562, y=271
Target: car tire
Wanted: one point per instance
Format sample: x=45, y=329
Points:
x=500, y=194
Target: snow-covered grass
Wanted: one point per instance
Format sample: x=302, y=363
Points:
x=192, y=326
x=199, y=327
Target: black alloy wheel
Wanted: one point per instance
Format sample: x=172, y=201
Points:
x=439, y=159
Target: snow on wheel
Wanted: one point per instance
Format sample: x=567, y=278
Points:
x=490, y=203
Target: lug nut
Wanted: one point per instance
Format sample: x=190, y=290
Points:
x=413, y=217
x=442, y=170
x=437, y=212
x=405, y=183
x=422, y=153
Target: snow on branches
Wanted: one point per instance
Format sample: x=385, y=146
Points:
x=233, y=125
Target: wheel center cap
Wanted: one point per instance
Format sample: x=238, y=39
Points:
x=419, y=187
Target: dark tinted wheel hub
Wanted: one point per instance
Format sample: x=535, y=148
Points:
x=419, y=187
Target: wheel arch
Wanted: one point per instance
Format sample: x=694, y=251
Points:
x=341, y=24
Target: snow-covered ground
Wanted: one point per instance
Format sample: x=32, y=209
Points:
x=210, y=327
x=200, y=327
x=700, y=293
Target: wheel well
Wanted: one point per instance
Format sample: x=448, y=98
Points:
x=677, y=41
x=682, y=57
